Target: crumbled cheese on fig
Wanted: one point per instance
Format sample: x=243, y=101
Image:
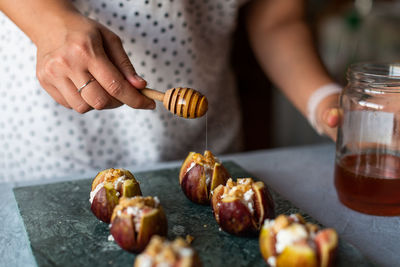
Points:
x=290, y=235
x=248, y=199
x=119, y=181
x=272, y=261
x=110, y=238
x=208, y=172
x=94, y=192
x=268, y=223
x=156, y=201
x=248, y=195
x=145, y=261
x=118, y=194
x=133, y=210
x=294, y=217
x=250, y=207
x=233, y=190
x=191, y=166
x=137, y=216
x=185, y=252
x=244, y=181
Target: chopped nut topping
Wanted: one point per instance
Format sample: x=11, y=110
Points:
x=208, y=159
x=160, y=251
x=139, y=202
x=294, y=233
x=115, y=176
x=238, y=189
x=136, y=206
x=289, y=230
x=242, y=189
x=189, y=239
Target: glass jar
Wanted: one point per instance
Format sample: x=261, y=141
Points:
x=367, y=164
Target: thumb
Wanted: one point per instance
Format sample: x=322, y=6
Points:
x=331, y=117
x=330, y=121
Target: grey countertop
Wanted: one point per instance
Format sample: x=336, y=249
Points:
x=304, y=175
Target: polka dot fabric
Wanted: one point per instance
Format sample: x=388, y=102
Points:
x=171, y=43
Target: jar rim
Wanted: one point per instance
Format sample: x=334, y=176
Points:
x=373, y=74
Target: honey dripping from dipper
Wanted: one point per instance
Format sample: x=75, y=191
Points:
x=206, y=135
x=184, y=102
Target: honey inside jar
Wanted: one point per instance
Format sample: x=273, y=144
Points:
x=369, y=183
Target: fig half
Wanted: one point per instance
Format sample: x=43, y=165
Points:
x=241, y=207
x=160, y=252
x=135, y=220
x=200, y=175
x=107, y=187
x=289, y=241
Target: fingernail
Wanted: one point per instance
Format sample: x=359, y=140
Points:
x=138, y=78
x=334, y=112
x=151, y=105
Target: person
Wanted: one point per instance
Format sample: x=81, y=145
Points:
x=79, y=108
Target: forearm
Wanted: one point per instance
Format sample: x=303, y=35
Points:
x=283, y=45
x=38, y=18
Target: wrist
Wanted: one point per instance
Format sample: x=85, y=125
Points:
x=322, y=99
x=55, y=26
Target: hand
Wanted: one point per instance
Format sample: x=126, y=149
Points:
x=79, y=49
x=328, y=116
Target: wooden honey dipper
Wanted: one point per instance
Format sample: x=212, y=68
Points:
x=184, y=102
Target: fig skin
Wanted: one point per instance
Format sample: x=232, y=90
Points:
x=159, y=252
x=104, y=203
x=264, y=207
x=318, y=249
x=234, y=216
x=200, y=175
x=152, y=222
x=124, y=236
x=194, y=185
x=107, y=197
x=327, y=243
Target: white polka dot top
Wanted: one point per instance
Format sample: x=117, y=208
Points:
x=174, y=43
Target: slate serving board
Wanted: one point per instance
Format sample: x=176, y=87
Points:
x=63, y=231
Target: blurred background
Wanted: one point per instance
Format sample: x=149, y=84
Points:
x=346, y=31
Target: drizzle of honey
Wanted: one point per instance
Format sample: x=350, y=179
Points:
x=206, y=134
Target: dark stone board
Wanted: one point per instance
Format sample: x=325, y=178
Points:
x=63, y=231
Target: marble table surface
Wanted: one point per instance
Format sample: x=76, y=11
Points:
x=304, y=175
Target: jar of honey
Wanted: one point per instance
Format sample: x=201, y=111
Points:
x=367, y=164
